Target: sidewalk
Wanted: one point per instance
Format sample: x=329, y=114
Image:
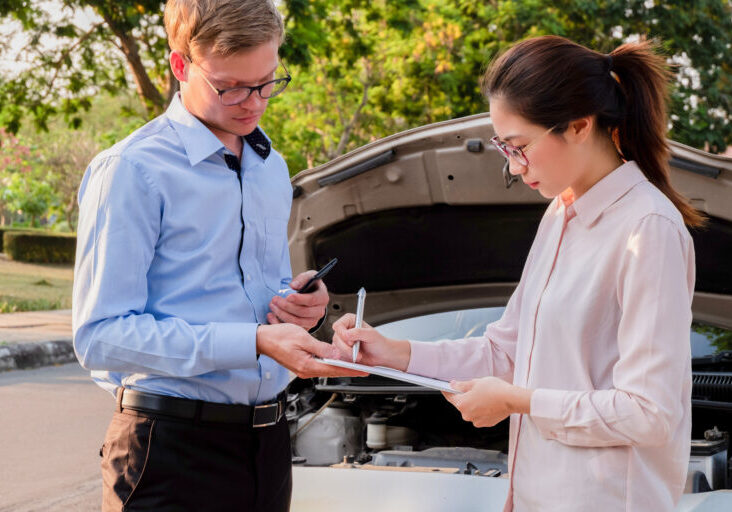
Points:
x=36, y=338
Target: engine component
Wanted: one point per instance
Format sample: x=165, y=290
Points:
x=379, y=435
x=333, y=434
x=444, y=457
x=710, y=457
x=376, y=436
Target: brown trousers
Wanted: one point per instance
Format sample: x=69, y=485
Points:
x=150, y=463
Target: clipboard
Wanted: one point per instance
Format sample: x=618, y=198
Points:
x=419, y=380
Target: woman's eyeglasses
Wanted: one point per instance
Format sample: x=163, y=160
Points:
x=518, y=153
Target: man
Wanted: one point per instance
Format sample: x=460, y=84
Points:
x=182, y=307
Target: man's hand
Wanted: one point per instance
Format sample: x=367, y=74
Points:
x=294, y=348
x=484, y=402
x=303, y=309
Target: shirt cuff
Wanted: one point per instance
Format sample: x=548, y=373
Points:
x=424, y=358
x=235, y=345
x=546, y=412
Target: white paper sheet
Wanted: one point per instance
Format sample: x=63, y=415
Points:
x=394, y=374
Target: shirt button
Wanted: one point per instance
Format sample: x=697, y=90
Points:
x=267, y=375
x=249, y=277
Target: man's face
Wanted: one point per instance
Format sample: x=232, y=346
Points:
x=250, y=67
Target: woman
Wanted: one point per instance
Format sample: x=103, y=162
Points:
x=591, y=358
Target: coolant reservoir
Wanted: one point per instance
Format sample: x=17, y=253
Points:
x=333, y=434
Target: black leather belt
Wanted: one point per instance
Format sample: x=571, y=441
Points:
x=255, y=416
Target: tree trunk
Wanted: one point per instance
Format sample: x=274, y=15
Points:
x=146, y=90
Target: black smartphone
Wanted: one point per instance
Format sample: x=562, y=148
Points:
x=310, y=285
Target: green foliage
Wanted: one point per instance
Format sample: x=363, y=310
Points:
x=60, y=155
x=64, y=78
x=39, y=247
x=15, y=305
x=21, y=193
x=18, y=229
x=363, y=70
x=720, y=339
x=28, y=196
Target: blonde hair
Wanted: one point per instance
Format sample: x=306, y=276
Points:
x=223, y=26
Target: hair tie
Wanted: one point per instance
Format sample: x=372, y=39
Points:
x=609, y=63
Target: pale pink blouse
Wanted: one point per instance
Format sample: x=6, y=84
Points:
x=598, y=327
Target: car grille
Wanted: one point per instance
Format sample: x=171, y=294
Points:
x=711, y=386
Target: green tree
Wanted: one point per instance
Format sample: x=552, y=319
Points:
x=67, y=160
x=128, y=40
x=15, y=158
x=61, y=154
x=28, y=196
x=365, y=69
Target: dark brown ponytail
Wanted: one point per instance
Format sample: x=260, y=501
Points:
x=551, y=81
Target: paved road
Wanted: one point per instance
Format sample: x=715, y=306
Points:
x=34, y=326
x=52, y=423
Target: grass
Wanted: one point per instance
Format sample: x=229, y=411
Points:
x=34, y=286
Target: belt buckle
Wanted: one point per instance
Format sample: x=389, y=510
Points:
x=266, y=415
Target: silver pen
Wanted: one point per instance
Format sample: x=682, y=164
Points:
x=359, y=319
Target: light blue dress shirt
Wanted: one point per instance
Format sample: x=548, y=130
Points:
x=164, y=300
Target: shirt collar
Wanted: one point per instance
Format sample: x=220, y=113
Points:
x=607, y=191
x=198, y=141
x=259, y=142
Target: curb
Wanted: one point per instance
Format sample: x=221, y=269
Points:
x=18, y=356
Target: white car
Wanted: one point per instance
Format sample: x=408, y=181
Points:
x=428, y=222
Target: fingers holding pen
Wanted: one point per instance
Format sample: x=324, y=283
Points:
x=345, y=340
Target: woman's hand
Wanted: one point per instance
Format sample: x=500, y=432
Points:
x=485, y=402
x=375, y=349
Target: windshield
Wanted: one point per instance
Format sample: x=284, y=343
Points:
x=706, y=340
x=439, y=326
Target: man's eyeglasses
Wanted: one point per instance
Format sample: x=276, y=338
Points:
x=236, y=95
x=518, y=153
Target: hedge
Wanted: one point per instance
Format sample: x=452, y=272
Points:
x=16, y=229
x=39, y=247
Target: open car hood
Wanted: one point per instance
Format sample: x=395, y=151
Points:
x=424, y=221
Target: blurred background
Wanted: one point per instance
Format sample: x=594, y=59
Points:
x=76, y=76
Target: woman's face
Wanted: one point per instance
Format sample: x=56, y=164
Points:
x=548, y=170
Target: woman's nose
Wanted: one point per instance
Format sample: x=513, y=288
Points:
x=515, y=167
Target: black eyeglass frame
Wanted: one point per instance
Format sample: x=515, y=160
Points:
x=220, y=92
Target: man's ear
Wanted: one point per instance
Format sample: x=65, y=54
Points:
x=178, y=63
x=579, y=130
